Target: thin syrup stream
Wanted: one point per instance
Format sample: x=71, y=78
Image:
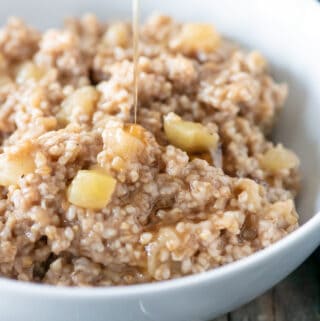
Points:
x=135, y=28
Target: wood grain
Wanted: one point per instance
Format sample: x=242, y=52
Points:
x=297, y=298
x=223, y=318
x=261, y=309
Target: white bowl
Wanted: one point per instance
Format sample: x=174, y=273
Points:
x=288, y=33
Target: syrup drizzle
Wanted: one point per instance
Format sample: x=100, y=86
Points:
x=135, y=29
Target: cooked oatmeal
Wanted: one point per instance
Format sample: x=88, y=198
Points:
x=89, y=198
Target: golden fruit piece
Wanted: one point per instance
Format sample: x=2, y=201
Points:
x=195, y=37
x=189, y=136
x=91, y=189
x=81, y=102
x=28, y=71
x=13, y=168
x=135, y=130
x=126, y=143
x=117, y=35
x=278, y=158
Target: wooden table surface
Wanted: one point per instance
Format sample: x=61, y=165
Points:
x=297, y=298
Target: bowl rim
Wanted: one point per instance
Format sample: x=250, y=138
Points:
x=90, y=293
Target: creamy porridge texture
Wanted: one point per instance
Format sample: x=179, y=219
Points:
x=88, y=198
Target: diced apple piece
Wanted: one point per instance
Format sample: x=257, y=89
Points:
x=12, y=168
x=285, y=213
x=117, y=35
x=80, y=102
x=29, y=71
x=278, y=158
x=189, y=136
x=127, y=142
x=195, y=37
x=91, y=189
x=135, y=130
